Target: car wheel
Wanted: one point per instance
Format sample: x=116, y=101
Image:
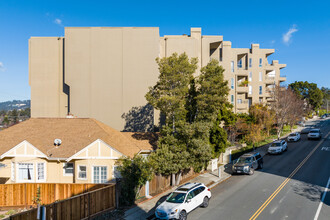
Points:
x=183, y=215
x=205, y=202
x=251, y=172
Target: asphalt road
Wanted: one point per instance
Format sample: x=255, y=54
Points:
x=290, y=186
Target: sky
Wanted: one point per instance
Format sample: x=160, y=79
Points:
x=299, y=31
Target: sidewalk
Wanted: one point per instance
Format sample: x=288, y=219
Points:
x=146, y=209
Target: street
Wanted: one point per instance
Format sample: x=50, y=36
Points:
x=290, y=186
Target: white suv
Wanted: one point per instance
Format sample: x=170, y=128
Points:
x=314, y=134
x=183, y=200
x=277, y=147
x=294, y=136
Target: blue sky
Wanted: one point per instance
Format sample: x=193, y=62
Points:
x=299, y=31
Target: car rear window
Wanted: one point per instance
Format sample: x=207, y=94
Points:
x=314, y=131
x=276, y=144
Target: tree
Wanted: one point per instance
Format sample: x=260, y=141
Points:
x=284, y=107
x=14, y=116
x=135, y=173
x=262, y=116
x=169, y=95
x=308, y=91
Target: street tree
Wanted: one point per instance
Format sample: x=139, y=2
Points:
x=284, y=107
x=309, y=92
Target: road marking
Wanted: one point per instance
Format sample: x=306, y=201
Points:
x=322, y=200
x=259, y=211
x=325, y=148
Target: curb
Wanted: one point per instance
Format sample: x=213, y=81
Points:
x=220, y=181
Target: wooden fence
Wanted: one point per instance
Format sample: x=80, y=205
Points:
x=81, y=206
x=23, y=194
x=160, y=183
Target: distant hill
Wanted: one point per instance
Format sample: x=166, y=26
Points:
x=15, y=104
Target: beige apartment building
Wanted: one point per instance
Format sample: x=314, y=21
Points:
x=104, y=72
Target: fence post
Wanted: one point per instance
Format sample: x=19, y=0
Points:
x=25, y=197
x=89, y=205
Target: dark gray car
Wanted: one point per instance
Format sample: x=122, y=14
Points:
x=247, y=163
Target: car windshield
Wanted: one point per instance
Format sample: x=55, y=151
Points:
x=275, y=145
x=292, y=135
x=314, y=131
x=244, y=160
x=176, y=197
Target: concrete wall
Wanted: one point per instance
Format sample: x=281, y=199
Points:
x=46, y=77
x=109, y=71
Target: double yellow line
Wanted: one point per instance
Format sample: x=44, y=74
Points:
x=258, y=212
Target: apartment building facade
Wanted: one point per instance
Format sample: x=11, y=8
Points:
x=104, y=72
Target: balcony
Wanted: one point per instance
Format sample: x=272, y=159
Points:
x=242, y=72
x=243, y=105
x=242, y=88
x=269, y=80
x=282, y=78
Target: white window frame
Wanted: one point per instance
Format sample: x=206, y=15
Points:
x=232, y=66
x=78, y=171
x=250, y=62
x=250, y=76
x=12, y=171
x=93, y=181
x=239, y=101
x=232, y=83
x=24, y=181
x=260, y=62
x=250, y=89
x=68, y=174
x=45, y=172
x=260, y=76
x=232, y=99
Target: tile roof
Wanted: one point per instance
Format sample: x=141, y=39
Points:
x=75, y=134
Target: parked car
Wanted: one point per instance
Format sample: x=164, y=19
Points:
x=278, y=147
x=183, y=200
x=314, y=134
x=247, y=163
x=294, y=136
x=306, y=130
x=324, y=116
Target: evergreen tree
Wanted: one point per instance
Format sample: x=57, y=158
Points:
x=169, y=95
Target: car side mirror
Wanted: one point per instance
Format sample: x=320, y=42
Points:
x=188, y=200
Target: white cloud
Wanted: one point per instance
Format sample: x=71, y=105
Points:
x=288, y=35
x=2, y=67
x=58, y=21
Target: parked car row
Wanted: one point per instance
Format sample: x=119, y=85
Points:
x=326, y=115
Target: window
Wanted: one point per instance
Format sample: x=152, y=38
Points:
x=260, y=76
x=232, y=66
x=271, y=74
x=250, y=90
x=239, y=101
x=239, y=64
x=220, y=54
x=250, y=76
x=82, y=172
x=260, y=62
x=41, y=172
x=115, y=172
x=250, y=62
x=25, y=172
x=260, y=90
x=232, y=99
x=232, y=83
x=260, y=100
x=12, y=171
x=68, y=169
x=100, y=174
